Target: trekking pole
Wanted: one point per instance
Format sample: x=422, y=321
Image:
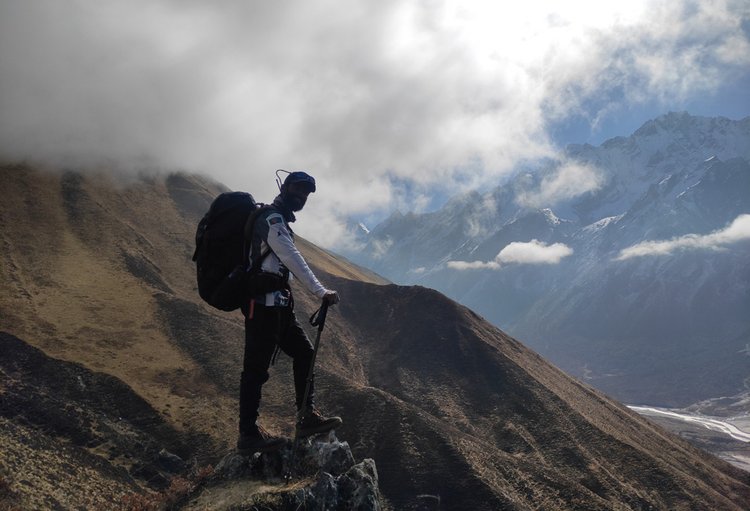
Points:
x=318, y=319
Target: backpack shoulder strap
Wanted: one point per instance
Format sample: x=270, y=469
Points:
x=250, y=233
x=252, y=219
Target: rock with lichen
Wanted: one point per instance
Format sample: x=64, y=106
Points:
x=318, y=474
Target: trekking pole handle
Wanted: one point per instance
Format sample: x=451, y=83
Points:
x=318, y=317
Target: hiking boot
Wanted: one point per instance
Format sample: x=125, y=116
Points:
x=258, y=440
x=311, y=422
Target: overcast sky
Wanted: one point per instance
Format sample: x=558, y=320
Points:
x=388, y=104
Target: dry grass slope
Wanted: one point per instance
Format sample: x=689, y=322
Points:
x=97, y=272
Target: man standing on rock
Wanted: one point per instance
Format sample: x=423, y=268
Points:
x=270, y=322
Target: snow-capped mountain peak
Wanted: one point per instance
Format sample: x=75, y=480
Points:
x=677, y=182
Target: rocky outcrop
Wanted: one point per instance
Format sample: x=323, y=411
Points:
x=315, y=475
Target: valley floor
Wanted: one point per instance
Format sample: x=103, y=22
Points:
x=726, y=437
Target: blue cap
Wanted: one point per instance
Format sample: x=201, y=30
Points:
x=300, y=177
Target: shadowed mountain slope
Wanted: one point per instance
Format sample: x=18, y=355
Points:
x=97, y=272
x=78, y=437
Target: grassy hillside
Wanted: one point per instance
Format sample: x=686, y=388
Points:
x=96, y=273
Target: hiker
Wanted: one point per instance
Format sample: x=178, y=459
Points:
x=270, y=322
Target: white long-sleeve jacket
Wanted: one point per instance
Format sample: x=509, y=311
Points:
x=273, y=232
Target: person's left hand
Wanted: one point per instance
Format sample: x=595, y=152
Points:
x=331, y=298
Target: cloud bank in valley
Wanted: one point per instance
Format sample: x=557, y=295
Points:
x=570, y=180
x=738, y=230
x=442, y=95
x=517, y=252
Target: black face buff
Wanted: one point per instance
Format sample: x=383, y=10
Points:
x=295, y=190
x=296, y=201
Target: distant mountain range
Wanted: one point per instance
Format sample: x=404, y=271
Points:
x=111, y=366
x=626, y=264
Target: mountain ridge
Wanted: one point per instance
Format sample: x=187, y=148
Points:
x=677, y=176
x=446, y=404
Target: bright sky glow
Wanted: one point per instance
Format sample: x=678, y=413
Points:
x=389, y=104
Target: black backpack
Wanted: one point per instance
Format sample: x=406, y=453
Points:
x=221, y=252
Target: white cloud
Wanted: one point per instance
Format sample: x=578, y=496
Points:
x=531, y=252
x=473, y=265
x=447, y=93
x=570, y=180
x=738, y=230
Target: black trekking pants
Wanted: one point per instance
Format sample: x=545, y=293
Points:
x=270, y=327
